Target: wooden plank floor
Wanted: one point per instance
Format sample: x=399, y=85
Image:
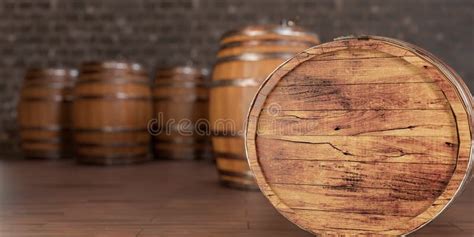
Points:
x=159, y=199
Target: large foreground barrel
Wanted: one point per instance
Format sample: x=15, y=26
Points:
x=371, y=137
x=44, y=112
x=111, y=110
x=245, y=58
x=180, y=98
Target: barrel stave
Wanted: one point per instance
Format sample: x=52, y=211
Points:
x=245, y=58
x=181, y=98
x=111, y=111
x=44, y=112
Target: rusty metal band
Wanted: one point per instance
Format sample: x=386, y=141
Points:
x=181, y=98
x=181, y=141
x=112, y=97
x=52, y=128
x=116, y=144
x=247, y=174
x=219, y=133
x=240, y=82
x=229, y=156
x=110, y=130
x=268, y=42
x=114, y=81
x=255, y=57
x=58, y=98
x=187, y=84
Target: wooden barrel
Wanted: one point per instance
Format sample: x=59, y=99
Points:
x=180, y=96
x=111, y=110
x=362, y=136
x=44, y=117
x=245, y=58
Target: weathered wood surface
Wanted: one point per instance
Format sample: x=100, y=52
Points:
x=111, y=110
x=354, y=122
x=244, y=60
x=361, y=137
x=44, y=113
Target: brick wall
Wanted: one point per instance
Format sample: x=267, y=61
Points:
x=168, y=32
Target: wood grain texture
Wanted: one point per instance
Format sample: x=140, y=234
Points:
x=111, y=110
x=133, y=201
x=361, y=137
x=181, y=96
x=246, y=55
x=44, y=113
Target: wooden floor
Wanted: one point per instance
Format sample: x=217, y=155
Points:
x=165, y=199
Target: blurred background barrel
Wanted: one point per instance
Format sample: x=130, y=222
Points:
x=245, y=58
x=44, y=115
x=180, y=98
x=111, y=110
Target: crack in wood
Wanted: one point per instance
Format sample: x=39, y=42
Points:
x=366, y=162
x=388, y=129
x=394, y=188
x=411, y=189
x=318, y=143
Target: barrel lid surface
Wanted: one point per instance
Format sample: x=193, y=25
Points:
x=362, y=135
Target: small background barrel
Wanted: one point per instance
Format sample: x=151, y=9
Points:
x=373, y=137
x=44, y=113
x=111, y=110
x=180, y=98
x=245, y=58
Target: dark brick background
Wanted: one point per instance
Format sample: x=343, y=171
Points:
x=66, y=32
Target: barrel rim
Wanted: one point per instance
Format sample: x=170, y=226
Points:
x=113, y=64
x=267, y=42
x=456, y=81
x=37, y=73
x=256, y=30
